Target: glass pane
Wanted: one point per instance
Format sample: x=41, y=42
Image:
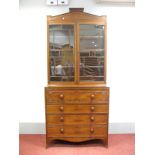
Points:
x=61, y=46
x=91, y=53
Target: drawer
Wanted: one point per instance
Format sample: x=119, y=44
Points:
x=76, y=108
x=77, y=131
x=77, y=96
x=77, y=119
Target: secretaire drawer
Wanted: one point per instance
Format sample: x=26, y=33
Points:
x=77, y=96
x=77, y=119
x=76, y=130
x=76, y=108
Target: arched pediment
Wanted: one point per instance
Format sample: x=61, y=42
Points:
x=75, y=15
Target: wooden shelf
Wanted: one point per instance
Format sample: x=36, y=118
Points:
x=62, y=76
x=60, y=50
x=92, y=66
x=91, y=76
x=61, y=30
x=91, y=37
x=60, y=57
x=91, y=50
x=91, y=56
x=64, y=67
x=58, y=36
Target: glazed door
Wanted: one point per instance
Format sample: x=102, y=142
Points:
x=91, y=52
x=61, y=53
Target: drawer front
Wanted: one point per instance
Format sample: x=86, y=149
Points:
x=75, y=131
x=77, y=96
x=76, y=108
x=76, y=119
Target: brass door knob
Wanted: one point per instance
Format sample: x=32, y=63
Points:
x=61, y=108
x=92, y=96
x=92, y=130
x=61, y=130
x=92, y=118
x=92, y=108
x=61, y=96
x=61, y=118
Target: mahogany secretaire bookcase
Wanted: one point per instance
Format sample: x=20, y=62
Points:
x=76, y=98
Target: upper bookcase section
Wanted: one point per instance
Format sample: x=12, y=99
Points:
x=76, y=48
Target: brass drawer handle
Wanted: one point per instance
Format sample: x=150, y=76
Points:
x=92, y=130
x=92, y=108
x=92, y=96
x=61, y=130
x=61, y=119
x=92, y=118
x=61, y=96
x=61, y=108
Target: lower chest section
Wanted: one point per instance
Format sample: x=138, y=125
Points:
x=76, y=113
